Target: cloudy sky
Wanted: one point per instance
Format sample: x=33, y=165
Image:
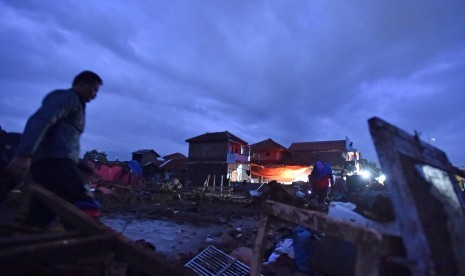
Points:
x=292, y=71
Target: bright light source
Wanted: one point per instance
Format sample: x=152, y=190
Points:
x=365, y=174
x=381, y=178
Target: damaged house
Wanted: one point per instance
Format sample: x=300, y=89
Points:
x=145, y=156
x=218, y=157
x=172, y=166
x=266, y=163
x=340, y=153
x=271, y=161
x=148, y=159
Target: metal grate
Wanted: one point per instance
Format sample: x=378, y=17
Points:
x=212, y=261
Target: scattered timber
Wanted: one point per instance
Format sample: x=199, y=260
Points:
x=76, y=252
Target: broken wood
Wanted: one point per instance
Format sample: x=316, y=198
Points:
x=258, y=251
x=368, y=241
x=150, y=263
x=66, y=251
x=426, y=198
x=28, y=239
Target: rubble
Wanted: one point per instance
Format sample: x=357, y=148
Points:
x=411, y=226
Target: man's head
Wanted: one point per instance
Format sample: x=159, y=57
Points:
x=86, y=85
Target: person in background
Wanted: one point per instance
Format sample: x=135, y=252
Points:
x=49, y=149
x=320, y=178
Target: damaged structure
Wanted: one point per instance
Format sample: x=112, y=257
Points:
x=271, y=161
x=422, y=236
x=223, y=157
x=429, y=212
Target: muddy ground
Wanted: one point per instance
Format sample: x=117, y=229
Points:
x=179, y=225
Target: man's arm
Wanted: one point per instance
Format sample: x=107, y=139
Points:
x=54, y=107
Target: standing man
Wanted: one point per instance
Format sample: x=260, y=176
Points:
x=49, y=148
x=320, y=178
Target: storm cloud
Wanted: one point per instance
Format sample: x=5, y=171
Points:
x=292, y=71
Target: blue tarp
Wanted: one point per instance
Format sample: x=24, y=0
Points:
x=135, y=167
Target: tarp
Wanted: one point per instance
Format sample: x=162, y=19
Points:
x=135, y=167
x=282, y=174
x=119, y=174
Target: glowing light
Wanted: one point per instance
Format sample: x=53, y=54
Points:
x=365, y=174
x=381, y=178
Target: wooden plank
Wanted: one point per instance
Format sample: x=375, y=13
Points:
x=368, y=241
x=149, y=262
x=426, y=199
x=320, y=222
x=56, y=252
x=68, y=212
x=19, y=240
x=259, y=251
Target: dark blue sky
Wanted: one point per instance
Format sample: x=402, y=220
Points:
x=293, y=71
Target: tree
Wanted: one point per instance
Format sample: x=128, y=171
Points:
x=95, y=155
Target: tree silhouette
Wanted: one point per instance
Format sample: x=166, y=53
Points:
x=95, y=155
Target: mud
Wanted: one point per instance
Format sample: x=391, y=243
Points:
x=180, y=226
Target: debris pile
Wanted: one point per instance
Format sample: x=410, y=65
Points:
x=412, y=225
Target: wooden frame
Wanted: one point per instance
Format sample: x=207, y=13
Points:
x=426, y=197
x=369, y=242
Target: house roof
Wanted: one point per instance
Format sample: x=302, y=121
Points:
x=268, y=144
x=309, y=158
x=318, y=146
x=174, y=164
x=155, y=163
x=176, y=155
x=144, y=151
x=215, y=137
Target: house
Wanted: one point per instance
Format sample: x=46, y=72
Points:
x=271, y=161
x=151, y=171
x=145, y=156
x=268, y=152
x=174, y=166
x=339, y=153
x=148, y=160
x=266, y=163
x=217, y=156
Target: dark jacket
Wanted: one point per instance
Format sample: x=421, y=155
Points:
x=53, y=131
x=321, y=175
